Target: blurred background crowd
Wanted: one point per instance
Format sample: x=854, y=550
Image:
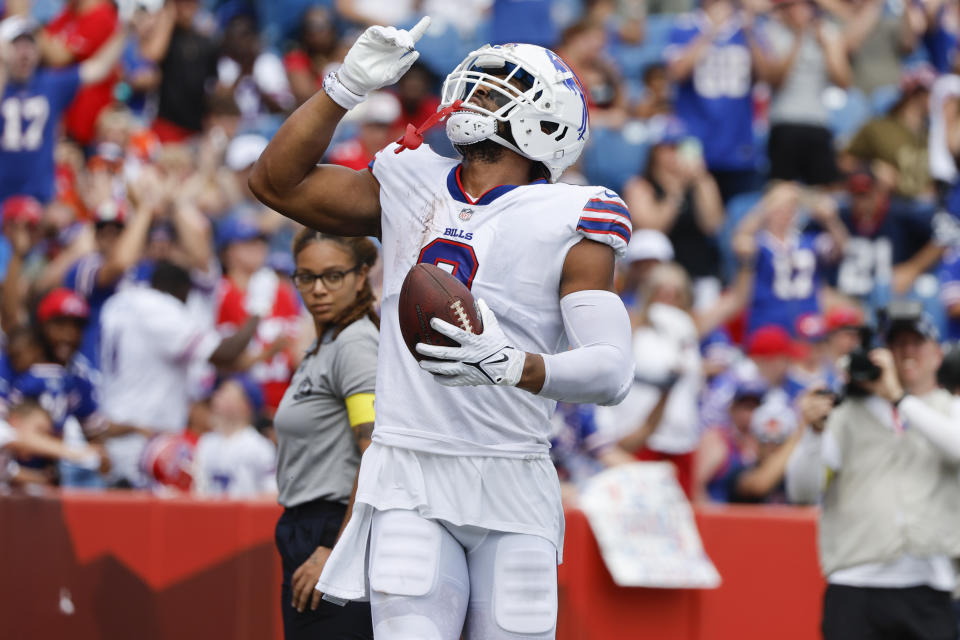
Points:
x=789, y=165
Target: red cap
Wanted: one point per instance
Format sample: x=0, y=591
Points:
x=62, y=303
x=22, y=209
x=771, y=341
x=843, y=318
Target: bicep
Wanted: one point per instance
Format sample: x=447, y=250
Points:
x=588, y=266
x=330, y=198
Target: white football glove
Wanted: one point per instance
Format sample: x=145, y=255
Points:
x=377, y=59
x=483, y=358
x=261, y=293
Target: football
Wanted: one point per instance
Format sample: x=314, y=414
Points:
x=430, y=292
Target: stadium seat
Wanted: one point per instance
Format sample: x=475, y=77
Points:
x=613, y=156
x=632, y=59
x=883, y=98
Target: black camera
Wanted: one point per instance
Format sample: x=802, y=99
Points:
x=895, y=317
x=948, y=376
x=861, y=370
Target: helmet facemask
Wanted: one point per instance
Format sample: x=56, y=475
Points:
x=515, y=107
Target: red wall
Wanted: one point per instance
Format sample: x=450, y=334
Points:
x=136, y=566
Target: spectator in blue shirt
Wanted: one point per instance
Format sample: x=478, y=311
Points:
x=788, y=262
x=890, y=245
x=714, y=59
x=96, y=276
x=32, y=101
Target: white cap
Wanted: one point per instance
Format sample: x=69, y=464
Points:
x=773, y=421
x=244, y=150
x=648, y=244
x=16, y=26
x=380, y=107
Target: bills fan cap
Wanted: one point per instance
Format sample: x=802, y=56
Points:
x=22, y=209
x=62, y=303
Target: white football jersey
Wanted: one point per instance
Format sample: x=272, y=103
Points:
x=508, y=246
x=150, y=341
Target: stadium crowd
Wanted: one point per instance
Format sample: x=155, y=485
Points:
x=789, y=166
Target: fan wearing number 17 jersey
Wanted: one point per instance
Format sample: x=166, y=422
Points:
x=457, y=527
x=32, y=102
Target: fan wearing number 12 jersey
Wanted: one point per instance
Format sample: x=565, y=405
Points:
x=457, y=525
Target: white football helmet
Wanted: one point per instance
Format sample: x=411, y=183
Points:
x=535, y=92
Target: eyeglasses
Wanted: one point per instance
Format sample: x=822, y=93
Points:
x=332, y=280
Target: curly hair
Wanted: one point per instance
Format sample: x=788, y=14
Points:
x=364, y=253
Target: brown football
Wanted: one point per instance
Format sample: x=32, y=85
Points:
x=430, y=292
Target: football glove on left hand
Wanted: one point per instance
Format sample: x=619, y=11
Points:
x=484, y=358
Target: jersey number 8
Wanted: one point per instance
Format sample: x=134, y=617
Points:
x=456, y=258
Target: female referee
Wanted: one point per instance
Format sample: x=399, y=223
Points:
x=323, y=425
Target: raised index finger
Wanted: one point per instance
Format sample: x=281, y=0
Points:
x=419, y=29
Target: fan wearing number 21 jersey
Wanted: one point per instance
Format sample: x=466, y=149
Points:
x=457, y=525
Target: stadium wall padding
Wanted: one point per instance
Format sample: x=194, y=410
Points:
x=124, y=565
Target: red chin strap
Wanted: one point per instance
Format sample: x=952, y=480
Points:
x=413, y=137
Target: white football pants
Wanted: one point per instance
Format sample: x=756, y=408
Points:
x=431, y=580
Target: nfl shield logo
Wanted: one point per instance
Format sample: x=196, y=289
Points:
x=466, y=214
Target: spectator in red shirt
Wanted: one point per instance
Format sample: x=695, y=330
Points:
x=243, y=250
x=306, y=64
x=376, y=116
x=75, y=35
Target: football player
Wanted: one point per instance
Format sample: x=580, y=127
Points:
x=457, y=496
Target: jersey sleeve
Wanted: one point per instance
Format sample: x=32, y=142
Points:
x=181, y=337
x=606, y=219
x=681, y=34
x=63, y=86
x=382, y=160
x=354, y=368
x=82, y=276
x=91, y=31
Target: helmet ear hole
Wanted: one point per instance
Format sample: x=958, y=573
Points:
x=562, y=134
x=548, y=127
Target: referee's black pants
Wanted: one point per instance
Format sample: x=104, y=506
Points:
x=300, y=530
x=910, y=613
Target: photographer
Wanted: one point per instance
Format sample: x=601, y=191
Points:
x=885, y=462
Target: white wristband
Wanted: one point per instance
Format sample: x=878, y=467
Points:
x=339, y=93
